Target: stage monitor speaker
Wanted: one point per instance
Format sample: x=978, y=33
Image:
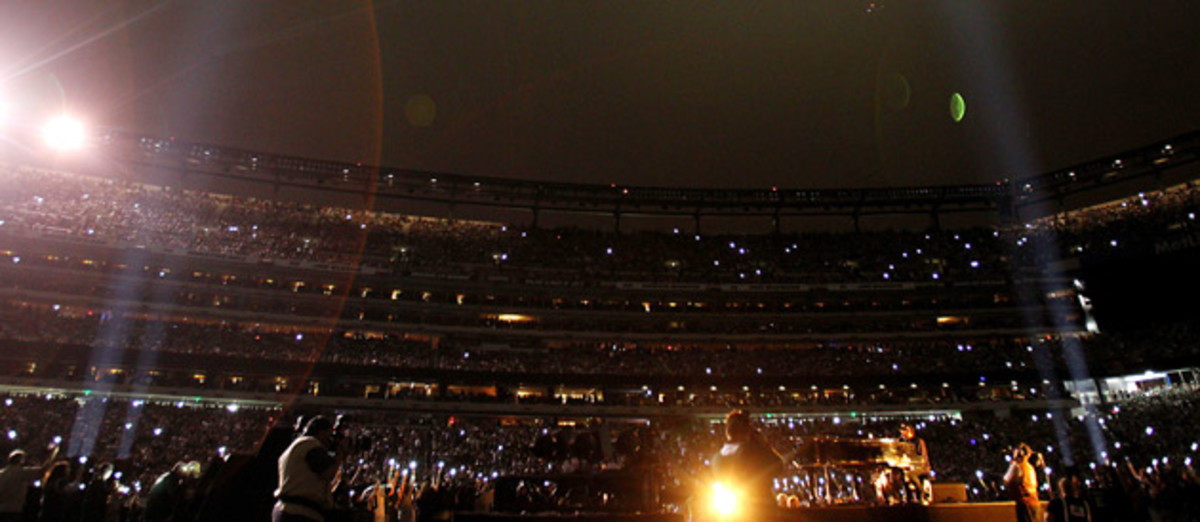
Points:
x=949, y=492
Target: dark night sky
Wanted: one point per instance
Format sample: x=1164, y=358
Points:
x=734, y=93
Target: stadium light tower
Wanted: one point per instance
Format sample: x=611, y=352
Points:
x=64, y=133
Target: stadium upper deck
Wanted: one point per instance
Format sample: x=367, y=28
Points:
x=484, y=307
x=1025, y=196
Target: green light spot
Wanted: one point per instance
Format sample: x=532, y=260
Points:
x=420, y=110
x=958, y=107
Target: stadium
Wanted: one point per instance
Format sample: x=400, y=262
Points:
x=174, y=310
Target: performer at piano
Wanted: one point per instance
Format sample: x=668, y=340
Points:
x=918, y=481
x=909, y=434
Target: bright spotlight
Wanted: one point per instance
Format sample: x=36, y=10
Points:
x=724, y=500
x=64, y=133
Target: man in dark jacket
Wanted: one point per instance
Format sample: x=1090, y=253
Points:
x=747, y=461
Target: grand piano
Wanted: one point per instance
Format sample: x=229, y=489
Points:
x=852, y=471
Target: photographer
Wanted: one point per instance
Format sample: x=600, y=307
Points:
x=1021, y=482
x=307, y=470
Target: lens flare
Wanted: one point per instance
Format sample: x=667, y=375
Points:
x=724, y=500
x=958, y=107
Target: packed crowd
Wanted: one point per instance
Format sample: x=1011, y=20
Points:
x=110, y=212
x=106, y=451
x=236, y=285
x=130, y=458
x=1136, y=223
x=496, y=320
x=1131, y=457
x=1107, y=353
x=259, y=340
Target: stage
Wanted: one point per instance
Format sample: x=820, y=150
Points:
x=948, y=512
